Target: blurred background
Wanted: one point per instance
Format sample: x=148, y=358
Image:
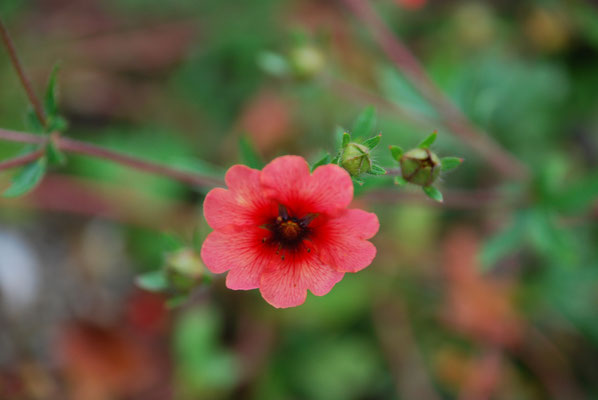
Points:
x=493, y=295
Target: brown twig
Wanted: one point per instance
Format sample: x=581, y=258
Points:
x=21, y=160
x=78, y=147
x=452, y=117
x=14, y=58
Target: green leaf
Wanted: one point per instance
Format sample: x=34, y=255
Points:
x=155, y=281
x=176, y=301
x=32, y=123
x=450, y=163
x=377, y=170
x=339, y=133
x=358, y=181
x=399, y=180
x=322, y=161
x=429, y=141
x=56, y=124
x=55, y=156
x=372, y=142
x=249, y=155
x=50, y=103
x=396, y=152
x=365, y=122
x=346, y=139
x=273, y=63
x=433, y=193
x=27, y=178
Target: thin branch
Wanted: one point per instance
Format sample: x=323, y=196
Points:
x=78, y=147
x=453, y=118
x=21, y=160
x=25, y=81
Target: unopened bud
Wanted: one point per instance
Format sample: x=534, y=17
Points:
x=307, y=61
x=186, y=262
x=356, y=159
x=420, y=166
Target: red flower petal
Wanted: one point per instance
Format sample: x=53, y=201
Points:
x=288, y=181
x=238, y=250
x=342, y=242
x=286, y=284
x=241, y=204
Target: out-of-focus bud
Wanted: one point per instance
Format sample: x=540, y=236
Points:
x=186, y=262
x=420, y=166
x=356, y=159
x=307, y=61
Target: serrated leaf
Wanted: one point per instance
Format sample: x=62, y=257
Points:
x=429, y=141
x=400, y=181
x=27, y=178
x=372, y=142
x=336, y=159
x=249, y=155
x=365, y=122
x=450, y=163
x=346, y=139
x=155, y=281
x=55, y=156
x=50, y=103
x=322, y=161
x=377, y=170
x=396, y=152
x=433, y=193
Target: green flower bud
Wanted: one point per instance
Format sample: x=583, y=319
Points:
x=186, y=262
x=420, y=167
x=307, y=61
x=356, y=159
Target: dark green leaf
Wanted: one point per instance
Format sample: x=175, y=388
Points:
x=365, y=122
x=450, y=163
x=26, y=179
x=249, y=155
x=155, y=281
x=372, y=142
x=433, y=193
x=429, y=141
x=322, y=161
x=377, y=170
x=396, y=152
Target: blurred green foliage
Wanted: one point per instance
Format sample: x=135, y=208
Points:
x=524, y=72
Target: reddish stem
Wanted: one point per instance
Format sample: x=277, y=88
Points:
x=78, y=147
x=14, y=58
x=21, y=160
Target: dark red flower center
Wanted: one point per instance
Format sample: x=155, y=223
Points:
x=289, y=231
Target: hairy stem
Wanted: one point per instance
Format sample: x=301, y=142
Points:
x=25, y=81
x=452, y=117
x=78, y=147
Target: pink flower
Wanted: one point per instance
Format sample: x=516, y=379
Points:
x=284, y=230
